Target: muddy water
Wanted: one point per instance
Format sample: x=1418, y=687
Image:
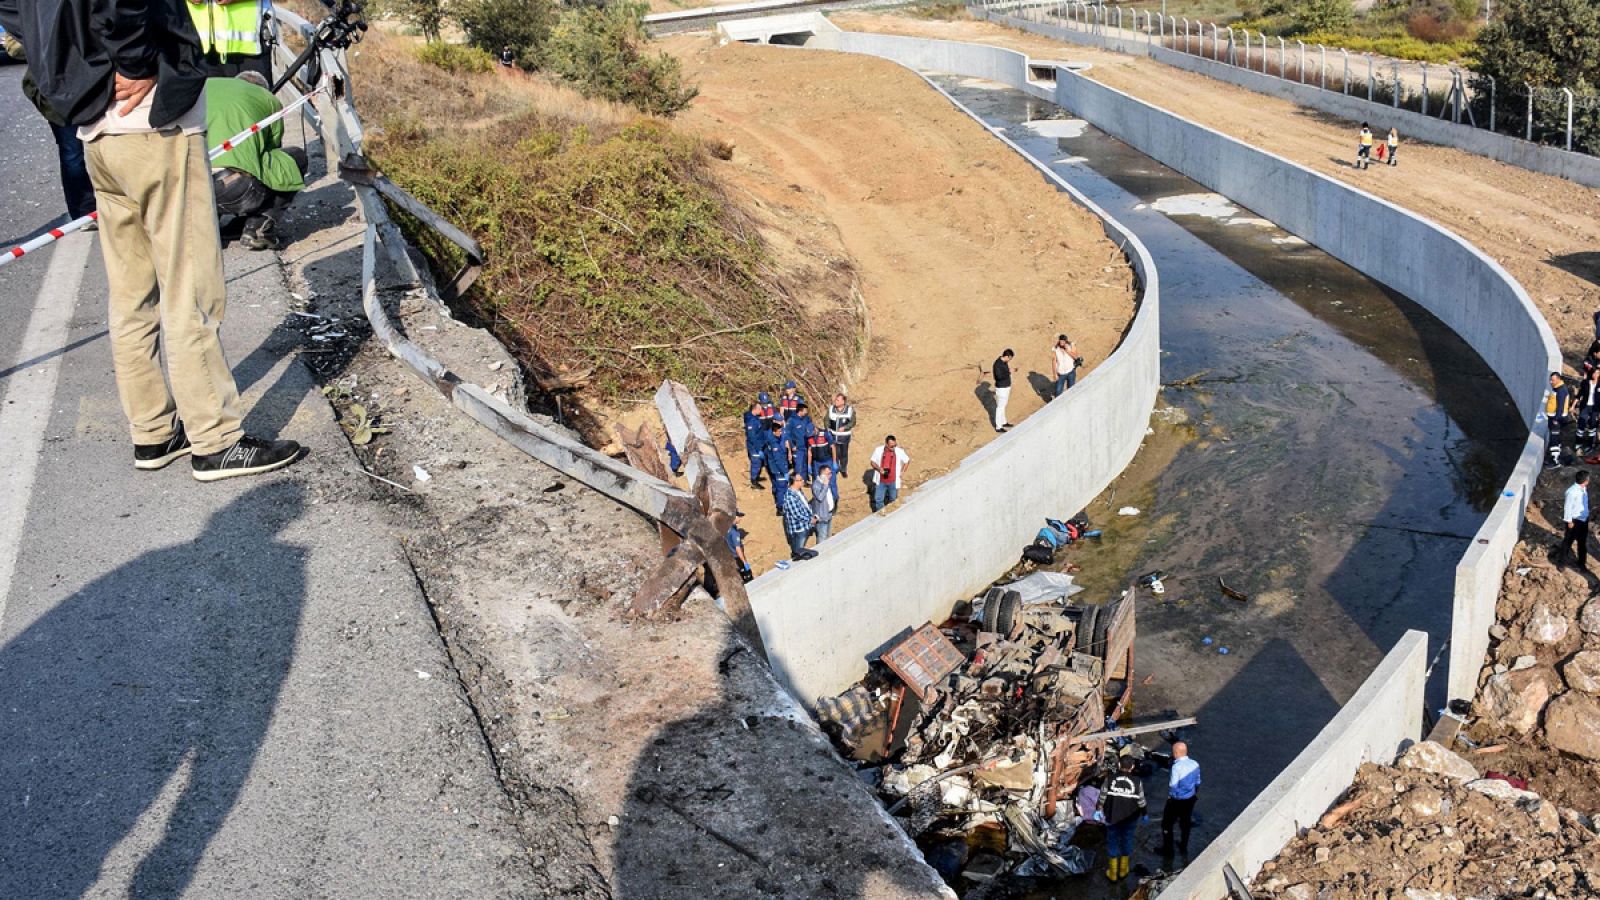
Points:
x=1322, y=443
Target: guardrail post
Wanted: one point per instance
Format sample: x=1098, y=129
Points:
x=1529, y=135
x=1568, y=92
x=1424, y=88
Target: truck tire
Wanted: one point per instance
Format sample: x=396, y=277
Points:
x=1102, y=626
x=1086, y=628
x=1009, y=606
x=991, y=608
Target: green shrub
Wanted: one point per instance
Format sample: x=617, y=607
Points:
x=522, y=25
x=455, y=58
x=1403, y=47
x=1322, y=15
x=599, y=49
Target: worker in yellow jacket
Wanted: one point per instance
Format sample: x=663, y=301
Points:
x=231, y=33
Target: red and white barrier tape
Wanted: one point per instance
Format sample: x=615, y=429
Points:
x=56, y=234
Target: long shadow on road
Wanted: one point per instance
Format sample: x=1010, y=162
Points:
x=133, y=710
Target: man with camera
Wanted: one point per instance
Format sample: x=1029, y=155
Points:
x=128, y=74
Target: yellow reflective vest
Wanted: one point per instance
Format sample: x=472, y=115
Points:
x=229, y=29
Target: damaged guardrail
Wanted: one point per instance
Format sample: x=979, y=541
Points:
x=700, y=517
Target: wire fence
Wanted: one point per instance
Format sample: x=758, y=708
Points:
x=1558, y=116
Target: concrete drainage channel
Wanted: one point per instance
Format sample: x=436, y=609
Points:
x=1320, y=391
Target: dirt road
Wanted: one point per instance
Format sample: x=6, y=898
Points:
x=960, y=247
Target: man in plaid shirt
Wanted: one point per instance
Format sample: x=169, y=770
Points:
x=798, y=519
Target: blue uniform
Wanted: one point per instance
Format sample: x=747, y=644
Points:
x=777, y=463
x=755, y=431
x=796, y=432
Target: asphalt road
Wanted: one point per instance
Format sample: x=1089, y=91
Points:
x=232, y=689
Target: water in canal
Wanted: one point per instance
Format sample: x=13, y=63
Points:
x=1323, y=444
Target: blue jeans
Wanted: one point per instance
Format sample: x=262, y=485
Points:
x=884, y=494
x=1066, y=381
x=797, y=543
x=75, y=184
x=1119, y=838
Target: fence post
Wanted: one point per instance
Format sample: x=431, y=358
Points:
x=1530, y=112
x=1283, y=59
x=1568, y=92
x=1424, y=88
x=1230, y=45
x=1396, y=65
x=1216, y=43
x=1346, y=85
x=1186, y=34
x=1491, y=102
x=1369, y=77
x=1302, y=44
x=1324, y=66
x=1264, y=52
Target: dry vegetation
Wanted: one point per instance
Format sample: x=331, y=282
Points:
x=616, y=257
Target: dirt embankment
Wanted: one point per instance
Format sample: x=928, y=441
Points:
x=961, y=249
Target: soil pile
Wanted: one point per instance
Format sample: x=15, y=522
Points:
x=1428, y=827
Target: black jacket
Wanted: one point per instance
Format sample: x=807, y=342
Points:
x=1002, y=369
x=1123, y=799
x=75, y=47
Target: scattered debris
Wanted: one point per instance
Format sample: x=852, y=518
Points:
x=421, y=473
x=1232, y=594
x=1128, y=511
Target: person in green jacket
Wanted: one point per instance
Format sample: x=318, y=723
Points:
x=257, y=179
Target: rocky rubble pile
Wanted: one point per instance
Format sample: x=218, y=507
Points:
x=1543, y=679
x=1432, y=827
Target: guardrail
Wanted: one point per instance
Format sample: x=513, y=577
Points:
x=701, y=518
x=1362, y=87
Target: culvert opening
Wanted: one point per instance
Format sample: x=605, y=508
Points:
x=792, y=39
x=1042, y=73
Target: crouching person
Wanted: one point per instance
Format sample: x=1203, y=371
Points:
x=256, y=180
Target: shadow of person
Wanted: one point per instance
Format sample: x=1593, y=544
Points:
x=1043, y=385
x=741, y=800
x=133, y=709
x=985, y=394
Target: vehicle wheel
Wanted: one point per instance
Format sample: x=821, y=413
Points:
x=991, y=609
x=1086, y=628
x=1102, y=625
x=1006, y=611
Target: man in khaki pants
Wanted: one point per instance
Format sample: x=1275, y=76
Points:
x=128, y=74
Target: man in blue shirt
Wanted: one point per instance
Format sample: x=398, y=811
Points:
x=1182, y=788
x=798, y=520
x=735, y=539
x=1575, y=512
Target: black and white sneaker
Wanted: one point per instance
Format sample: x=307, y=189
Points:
x=251, y=456
x=150, y=457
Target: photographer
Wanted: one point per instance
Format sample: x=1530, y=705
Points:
x=128, y=74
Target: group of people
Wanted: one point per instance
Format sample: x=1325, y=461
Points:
x=1065, y=361
x=1386, y=150
x=794, y=451
x=125, y=87
x=252, y=183
x=1123, y=805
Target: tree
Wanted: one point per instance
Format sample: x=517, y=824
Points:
x=522, y=25
x=599, y=50
x=427, y=15
x=1321, y=15
x=1549, y=44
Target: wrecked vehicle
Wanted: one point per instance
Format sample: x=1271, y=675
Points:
x=979, y=731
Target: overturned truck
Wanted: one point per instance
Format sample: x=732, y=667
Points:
x=979, y=731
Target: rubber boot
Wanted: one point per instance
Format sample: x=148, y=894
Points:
x=1122, y=867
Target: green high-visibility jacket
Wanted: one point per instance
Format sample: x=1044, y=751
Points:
x=228, y=28
x=232, y=105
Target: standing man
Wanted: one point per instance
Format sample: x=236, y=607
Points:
x=1064, y=363
x=777, y=463
x=797, y=433
x=1587, y=404
x=1557, y=414
x=790, y=400
x=735, y=539
x=230, y=33
x=256, y=180
x=1123, y=803
x=1575, y=512
x=1364, y=147
x=819, y=450
x=888, y=464
x=824, y=500
x=128, y=74
x=1002, y=388
x=798, y=520
x=1182, y=789
x=841, y=421
x=755, y=442
x=764, y=408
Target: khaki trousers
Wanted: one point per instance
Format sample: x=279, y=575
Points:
x=158, y=233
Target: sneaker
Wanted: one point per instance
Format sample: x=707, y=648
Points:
x=251, y=456
x=150, y=457
x=264, y=236
x=92, y=226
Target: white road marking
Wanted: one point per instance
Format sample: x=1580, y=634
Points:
x=25, y=409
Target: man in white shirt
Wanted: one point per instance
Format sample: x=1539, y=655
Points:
x=1575, y=512
x=888, y=472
